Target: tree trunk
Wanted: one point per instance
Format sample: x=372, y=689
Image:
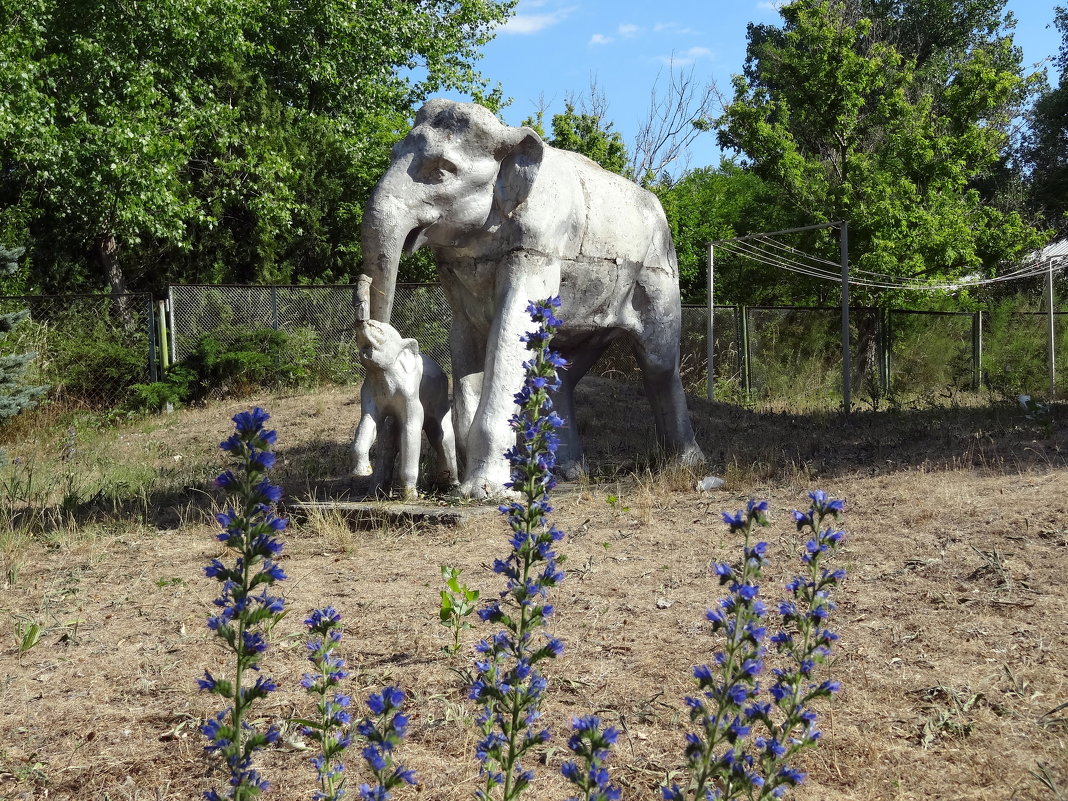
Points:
x=107, y=253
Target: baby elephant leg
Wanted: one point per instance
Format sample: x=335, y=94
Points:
x=410, y=436
x=364, y=438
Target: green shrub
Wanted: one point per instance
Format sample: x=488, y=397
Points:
x=90, y=358
x=176, y=388
x=233, y=361
x=1014, y=350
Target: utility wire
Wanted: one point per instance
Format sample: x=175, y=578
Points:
x=813, y=267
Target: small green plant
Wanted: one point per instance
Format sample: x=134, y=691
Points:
x=27, y=634
x=457, y=604
x=616, y=503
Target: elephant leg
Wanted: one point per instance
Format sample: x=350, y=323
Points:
x=364, y=437
x=410, y=433
x=468, y=361
x=569, y=459
x=521, y=277
x=386, y=456
x=440, y=436
x=658, y=359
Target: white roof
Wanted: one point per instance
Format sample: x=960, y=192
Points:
x=1057, y=249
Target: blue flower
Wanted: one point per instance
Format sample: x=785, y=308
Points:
x=505, y=675
x=250, y=422
x=261, y=460
x=268, y=492
x=736, y=522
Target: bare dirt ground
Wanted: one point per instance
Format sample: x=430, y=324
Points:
x=954, y=616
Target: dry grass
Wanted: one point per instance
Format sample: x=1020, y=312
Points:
x=953, y=657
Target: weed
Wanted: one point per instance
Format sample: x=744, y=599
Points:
x=27, y=634
x=457, y=604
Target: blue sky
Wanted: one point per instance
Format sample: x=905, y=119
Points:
x=550, y=48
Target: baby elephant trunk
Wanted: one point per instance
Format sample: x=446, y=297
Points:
x=362, y=303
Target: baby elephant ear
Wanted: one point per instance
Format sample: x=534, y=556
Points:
x=520, y=153
x=410, y=344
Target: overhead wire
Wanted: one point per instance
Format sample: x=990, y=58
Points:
x=813, y=267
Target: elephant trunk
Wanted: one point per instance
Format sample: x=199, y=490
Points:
x=385, y=232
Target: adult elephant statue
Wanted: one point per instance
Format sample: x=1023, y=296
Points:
x=510, y=219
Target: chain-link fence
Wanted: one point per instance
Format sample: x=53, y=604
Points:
x=90, y=349
x=319, y=319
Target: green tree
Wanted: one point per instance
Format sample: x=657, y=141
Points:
x=212, y=140
x=592, y=136
x=709, y=204
x=584, y=128
x=1046, y=144
x=888, y=114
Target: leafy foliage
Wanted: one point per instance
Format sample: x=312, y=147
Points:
x=1046, y=147
x=228, y=140
x=237, y=359
x=714, y=203
x=584, y=129
x=886, y=114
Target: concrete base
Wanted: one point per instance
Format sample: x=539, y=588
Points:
x=362, y=514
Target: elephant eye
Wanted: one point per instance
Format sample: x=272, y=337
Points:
x=438, y=169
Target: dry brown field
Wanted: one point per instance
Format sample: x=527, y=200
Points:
x=953, y=655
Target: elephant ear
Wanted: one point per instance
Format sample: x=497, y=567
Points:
x=520, y=154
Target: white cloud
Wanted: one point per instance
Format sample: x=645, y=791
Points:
x=626, y=30
x=599, y=39
x=686, y=57
x=673, y=27
x=524, y=24
x=774, y=5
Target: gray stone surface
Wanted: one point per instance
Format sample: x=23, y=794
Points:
x=403, y=394
x=510, y=219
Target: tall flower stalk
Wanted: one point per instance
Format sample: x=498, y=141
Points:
x=805, y=642
x=330, y=728
x=508, y=686
x=744, y=744
x=383, y=731
x=591, y=745
x=251, y=530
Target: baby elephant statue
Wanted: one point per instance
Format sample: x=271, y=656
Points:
x=403, y=394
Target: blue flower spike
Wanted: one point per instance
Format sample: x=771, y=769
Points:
x=508, y=685
x=382, y=733
x=330, y=727
x=591, y=745
x=245, y=608
x=743, y=744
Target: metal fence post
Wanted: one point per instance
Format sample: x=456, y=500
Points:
x=153, y=375
x=710, y=334
x=847, y=367
x=744, y=356
x=274, y=308
x=164, y=350
x=1051, y=334
x=977, y=350
x=884, y=345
